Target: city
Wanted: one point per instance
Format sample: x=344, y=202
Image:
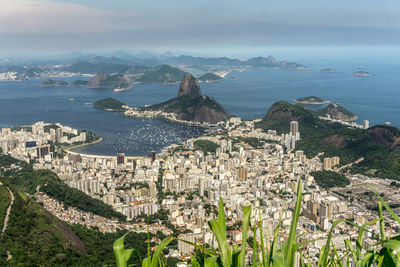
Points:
x=238, y=163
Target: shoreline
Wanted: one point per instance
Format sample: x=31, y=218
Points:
x=68, y=149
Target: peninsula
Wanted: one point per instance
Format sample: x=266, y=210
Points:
x=189, y=107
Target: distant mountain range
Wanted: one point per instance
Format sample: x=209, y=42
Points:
x=136, y=65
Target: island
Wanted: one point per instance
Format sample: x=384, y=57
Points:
x=210, y=77
x=109, y=104
x=362, y=73
x=328, y=70
x=50, y=83
x=311, y=100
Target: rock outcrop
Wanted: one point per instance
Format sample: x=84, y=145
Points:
x=97, y=79
x=189, y=86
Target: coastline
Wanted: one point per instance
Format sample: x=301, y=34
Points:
x=68, y=149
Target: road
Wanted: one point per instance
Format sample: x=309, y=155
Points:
x=9, y=256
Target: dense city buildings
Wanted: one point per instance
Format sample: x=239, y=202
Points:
x=237, y=162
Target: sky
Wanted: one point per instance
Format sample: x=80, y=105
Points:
x=202, y=26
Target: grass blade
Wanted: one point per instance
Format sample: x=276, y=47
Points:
x=245, y=227
x=263, y=252
x=381, y=223
x=289, y=257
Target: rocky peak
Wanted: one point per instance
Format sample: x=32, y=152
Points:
x=96, y=80
x=189, y=86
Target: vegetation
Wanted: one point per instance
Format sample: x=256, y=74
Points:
x=252, y=141
x=20, y=128
x=36, y=238
x=206, y=146
x=109, y=104
x=162, y=74
x=329, y=179
x=99, y=245
x=50, y=126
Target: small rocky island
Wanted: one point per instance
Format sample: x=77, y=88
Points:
x=362, y=73
x=328, y=70
x=51, y=83
x=311, y=100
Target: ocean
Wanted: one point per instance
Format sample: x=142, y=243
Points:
x=375, y=98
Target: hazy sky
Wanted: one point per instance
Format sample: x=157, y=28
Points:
x=71, y=25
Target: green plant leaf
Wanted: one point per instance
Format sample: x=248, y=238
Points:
x=289, y=253
x=245, y=227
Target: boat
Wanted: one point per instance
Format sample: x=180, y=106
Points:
x=116, y=90
x=71, y=99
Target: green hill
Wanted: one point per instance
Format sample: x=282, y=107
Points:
x=336, y=112
x=378, y=145
x=210, y=77
x=162, y=74
x=109, y=104
x=34, y=237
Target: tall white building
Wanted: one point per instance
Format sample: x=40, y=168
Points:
x=366, y=124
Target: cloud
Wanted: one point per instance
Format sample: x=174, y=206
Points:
x=41, y=16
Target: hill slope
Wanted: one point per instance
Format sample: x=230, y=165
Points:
x=35, y=237
x=336, y=112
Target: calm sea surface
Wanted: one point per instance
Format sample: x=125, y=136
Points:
x=375, y=98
